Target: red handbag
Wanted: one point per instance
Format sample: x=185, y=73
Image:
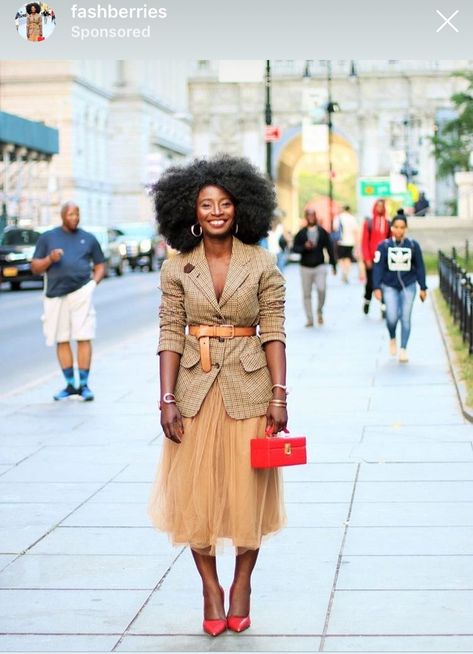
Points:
x=276, y=451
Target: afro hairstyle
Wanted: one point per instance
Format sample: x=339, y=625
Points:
x=36, y=5
x=175, y=195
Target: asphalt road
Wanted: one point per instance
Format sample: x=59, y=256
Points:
x=124, y=304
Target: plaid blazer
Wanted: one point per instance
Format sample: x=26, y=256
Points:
x=254, y=294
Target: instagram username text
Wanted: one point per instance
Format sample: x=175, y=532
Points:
x=110, y=12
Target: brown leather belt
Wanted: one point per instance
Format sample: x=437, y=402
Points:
x=205, y=332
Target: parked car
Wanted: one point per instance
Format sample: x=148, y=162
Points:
x=141, y=245
x=17, y=245
x=109, y=241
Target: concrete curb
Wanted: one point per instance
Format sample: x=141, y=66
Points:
x=454, y=369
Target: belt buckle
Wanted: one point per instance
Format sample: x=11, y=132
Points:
x=232, y=327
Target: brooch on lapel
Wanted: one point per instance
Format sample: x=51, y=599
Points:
x=188, y=268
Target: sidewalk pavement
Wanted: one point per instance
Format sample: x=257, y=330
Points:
x=377, y=553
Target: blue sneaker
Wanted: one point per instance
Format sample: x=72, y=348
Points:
x=66, y=392
x=86, y=394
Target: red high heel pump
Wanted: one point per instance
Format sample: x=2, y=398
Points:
x=218, y=626
x=237, y=623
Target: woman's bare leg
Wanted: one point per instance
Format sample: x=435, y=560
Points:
x=241, y=586
x=346, y=267
x=207, y=569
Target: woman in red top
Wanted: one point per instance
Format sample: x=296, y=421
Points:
x=375, y=230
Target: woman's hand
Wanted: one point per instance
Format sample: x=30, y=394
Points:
x=378, y=294
x=276, y=418
x=422, y=295
x=171, y=422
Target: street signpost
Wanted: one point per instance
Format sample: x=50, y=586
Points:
x=389, y=188
x=272, y=133
x=374, y=187
x=314, y=137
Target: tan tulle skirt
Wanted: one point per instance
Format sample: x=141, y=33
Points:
x=206, y=491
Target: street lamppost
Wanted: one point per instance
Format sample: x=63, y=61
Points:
x=268, y=117
x=330, y=110
x=331, y=107
x=408, y=170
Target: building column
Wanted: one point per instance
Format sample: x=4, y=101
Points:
x=464, y=182
x=7, y=150
x=21, y=166
x=32, y=195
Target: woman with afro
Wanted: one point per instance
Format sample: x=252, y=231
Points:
x=222, y=383
x=34, y=22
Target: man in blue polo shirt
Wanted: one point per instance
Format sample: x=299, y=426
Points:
x=73, y=264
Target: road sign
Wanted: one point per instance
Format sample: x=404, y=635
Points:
x=272, y=133
x=314, y=137
x=375, y=187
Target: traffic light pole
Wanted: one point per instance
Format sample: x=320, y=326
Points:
x=268, y=115
x=329, y=145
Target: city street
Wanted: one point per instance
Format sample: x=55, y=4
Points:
x=376, y=555
x=26, y=358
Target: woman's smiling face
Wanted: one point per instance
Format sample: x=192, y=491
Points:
x=215, y=211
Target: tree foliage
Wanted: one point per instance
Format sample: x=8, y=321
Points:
x=453, y=141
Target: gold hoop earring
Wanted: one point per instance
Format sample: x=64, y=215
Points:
x=200, y=232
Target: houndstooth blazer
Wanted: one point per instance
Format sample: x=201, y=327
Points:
x=254, y=294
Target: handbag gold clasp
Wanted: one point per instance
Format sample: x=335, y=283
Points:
x=287, y=448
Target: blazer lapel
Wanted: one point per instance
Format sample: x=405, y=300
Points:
x=237, y=271
x=200, y=275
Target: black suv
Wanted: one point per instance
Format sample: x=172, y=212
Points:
x=17, y=245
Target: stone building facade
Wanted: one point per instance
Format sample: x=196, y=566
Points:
x=120, y=124
x=386, y=112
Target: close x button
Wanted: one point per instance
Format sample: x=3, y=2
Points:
x=447, y=21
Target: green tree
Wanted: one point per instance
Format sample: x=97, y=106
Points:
x=453, y=141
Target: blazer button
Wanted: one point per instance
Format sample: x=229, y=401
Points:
x=216, y=365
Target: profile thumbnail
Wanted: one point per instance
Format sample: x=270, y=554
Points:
x=35, y=21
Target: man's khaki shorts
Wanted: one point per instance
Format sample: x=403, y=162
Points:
x=70, y=317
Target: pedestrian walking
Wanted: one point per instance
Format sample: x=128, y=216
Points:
x=349, y=235
x=421, y=207
x=374, y=231
x=398, y=266
x=221, y=383
x=313, y=243
x=65, y=255
x=277, y=243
